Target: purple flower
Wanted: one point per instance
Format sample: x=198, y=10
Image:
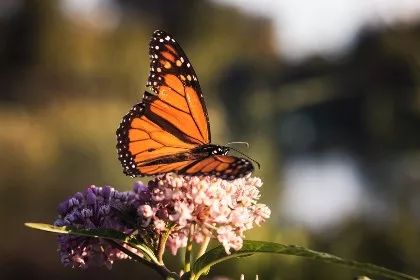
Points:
x=96, y=207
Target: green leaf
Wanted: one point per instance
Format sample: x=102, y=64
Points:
x=218, y=254
x=98, y=233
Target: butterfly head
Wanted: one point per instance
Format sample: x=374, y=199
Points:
x=221, y=150
x=215, y=150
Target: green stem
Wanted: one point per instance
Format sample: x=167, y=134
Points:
x=162, y=244
x=161, y=269
x=203, y=247
x=188, y=250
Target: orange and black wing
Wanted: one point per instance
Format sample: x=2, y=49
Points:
x=148, y=145
x=223, y=166
x=142, y=139
x=170, y=122
x=178, y=94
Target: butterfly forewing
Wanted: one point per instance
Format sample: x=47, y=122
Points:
x=173, y=79
x=140, y=140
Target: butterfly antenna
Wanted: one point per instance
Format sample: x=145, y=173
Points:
x=256, y=162
x=242, y=143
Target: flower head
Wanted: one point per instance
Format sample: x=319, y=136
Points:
x=201, y=207
x=96, y=207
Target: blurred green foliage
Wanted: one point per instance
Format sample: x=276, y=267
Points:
x=65, y=84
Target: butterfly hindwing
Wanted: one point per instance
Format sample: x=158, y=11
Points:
x=223, y=166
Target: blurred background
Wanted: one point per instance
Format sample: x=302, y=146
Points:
x=327, y=93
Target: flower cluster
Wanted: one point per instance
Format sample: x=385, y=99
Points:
x=96, y=207
x=188, y=207
x=201, y=207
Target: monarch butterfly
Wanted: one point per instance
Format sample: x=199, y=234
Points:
x=169, y=131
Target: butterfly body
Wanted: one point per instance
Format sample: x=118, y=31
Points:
x=198, y=153
x=169, y=130
x=211, y=150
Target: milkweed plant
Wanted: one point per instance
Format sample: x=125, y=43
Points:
x=169, y=214
x=172, y=213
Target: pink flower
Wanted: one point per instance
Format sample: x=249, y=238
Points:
x=178, y=239
x=202, y=207
x=229, y=239
x=145, y=211
x=262, y=213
